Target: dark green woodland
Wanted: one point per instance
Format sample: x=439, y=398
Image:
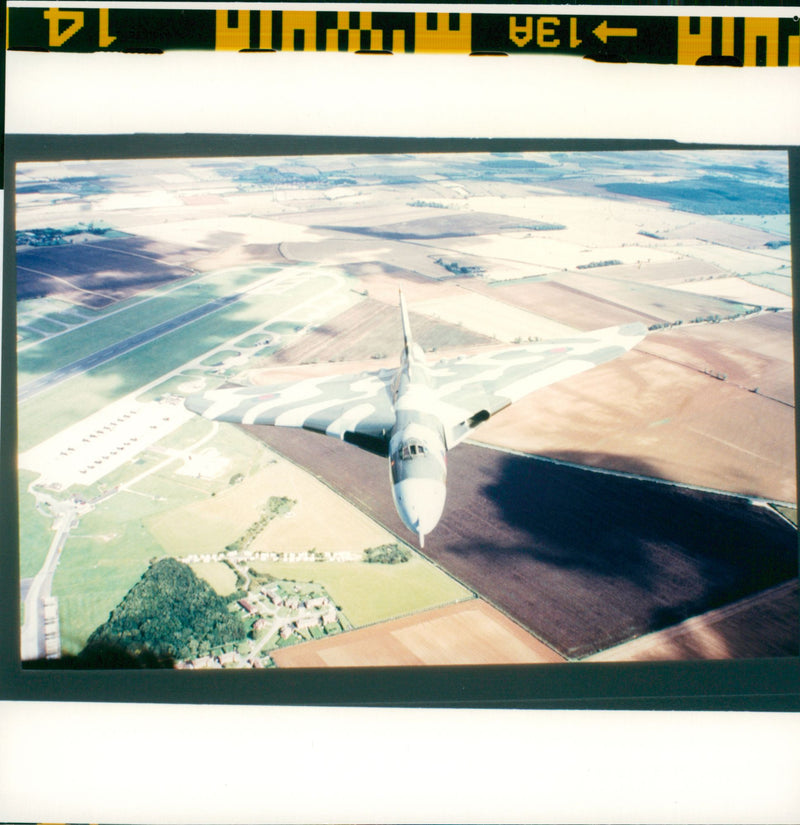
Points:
x=170, y=612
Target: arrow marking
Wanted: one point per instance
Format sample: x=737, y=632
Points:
x=603, y=32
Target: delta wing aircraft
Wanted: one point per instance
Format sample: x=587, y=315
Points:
x=416, y=413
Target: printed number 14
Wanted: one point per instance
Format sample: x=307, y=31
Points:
x=57, y=36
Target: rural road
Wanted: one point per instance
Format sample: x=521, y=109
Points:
x=32, y=636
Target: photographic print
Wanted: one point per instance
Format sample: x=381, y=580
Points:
x=406, y=409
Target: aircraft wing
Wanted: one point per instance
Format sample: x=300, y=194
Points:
x=469, y=390
x=355, y=408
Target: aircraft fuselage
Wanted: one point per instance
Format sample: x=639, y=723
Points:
x=416, y=444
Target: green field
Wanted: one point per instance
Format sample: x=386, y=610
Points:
x=127, y=318
x=111, y=546
x=121, y=475
x=170, y=386
x=369, y=593
x=218, y=575
x=45, y=325
x=218, y=357
x=27, y=335
x=105, y=331
x=106, y=555
x=251, y=340
x=780, y=283
x=75, y=399
x=67, y=318
x=206, y=526
x=35, y=530
x=63, y=405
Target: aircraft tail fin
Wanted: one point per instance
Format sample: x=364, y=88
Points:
x=406, y=325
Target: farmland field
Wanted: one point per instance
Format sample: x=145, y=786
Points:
x=115, y=541
x=107, y=330
x=467, y=633
x=493, y=318
x=296, y=264
x=582, y=559
x=35, y=529
x=103, y=560
x=93, y=274
x=734, y=632
x=369, y=593
x=82, y=395
x=659, y=303
x=219, y=575
x=684, y=424
x=371, y=330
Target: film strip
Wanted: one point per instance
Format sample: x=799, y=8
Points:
x=684, y=40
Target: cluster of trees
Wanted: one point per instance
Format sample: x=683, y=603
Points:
x=170, y=612
x=538, y=226
x=271, y=176
x=595, y=264
x=710, y=319
x=386, y=554
x=275, y=506
x=48, y=236
x=457, y=269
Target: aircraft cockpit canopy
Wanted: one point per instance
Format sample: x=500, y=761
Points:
x=412, y=449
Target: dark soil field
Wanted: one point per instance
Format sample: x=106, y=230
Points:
x=584, y=560
x=762, y=625
x=97, y=274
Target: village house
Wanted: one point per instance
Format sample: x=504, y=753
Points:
x=273, y=594
x=246, y=606
x=228, y=658
x=203, y=661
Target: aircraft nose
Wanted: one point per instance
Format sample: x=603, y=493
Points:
x=419, y=502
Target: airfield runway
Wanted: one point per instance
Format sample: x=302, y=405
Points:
x=584, y=560
x=106, y=354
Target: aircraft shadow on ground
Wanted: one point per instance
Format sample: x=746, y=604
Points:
x=589, y=560
x=104, y=657
x=584, y=560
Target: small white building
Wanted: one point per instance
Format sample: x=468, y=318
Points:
x=306, y=621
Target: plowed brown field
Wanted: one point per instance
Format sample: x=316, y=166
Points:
x=467, y=633
x=684, y=402
x=585, y=560
x=762, y=625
